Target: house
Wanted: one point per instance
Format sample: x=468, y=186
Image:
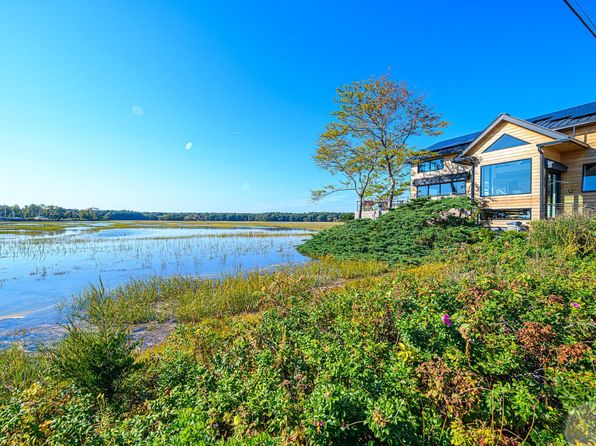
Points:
x=519, y=169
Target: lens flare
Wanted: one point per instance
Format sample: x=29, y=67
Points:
x=137, y=110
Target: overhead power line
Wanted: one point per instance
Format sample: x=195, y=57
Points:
x=581, y=19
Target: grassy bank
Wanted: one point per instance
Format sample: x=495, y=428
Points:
x=492, y=344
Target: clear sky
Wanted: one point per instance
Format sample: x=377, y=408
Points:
x=216, y=106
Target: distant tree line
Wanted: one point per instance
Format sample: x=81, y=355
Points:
x=43, y=212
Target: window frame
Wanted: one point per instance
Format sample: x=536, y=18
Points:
x=584, y=169
x=439, y=185
x=429, y=164
x=488, y=210
x=482, y=194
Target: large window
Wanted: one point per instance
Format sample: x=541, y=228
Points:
x=429, y=166
x=512, y=178
x=442, y=189
x=506, y=214
x=589, y=178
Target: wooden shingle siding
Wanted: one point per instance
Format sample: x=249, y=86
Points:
x=571, y=187
x=528, y=151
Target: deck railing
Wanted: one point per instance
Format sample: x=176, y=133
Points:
x=373, y=209
x=383, y=205
x=570, y=209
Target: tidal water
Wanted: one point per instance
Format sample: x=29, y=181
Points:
x=38, y=273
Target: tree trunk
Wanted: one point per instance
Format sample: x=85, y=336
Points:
x=391, y=185
x=361, y=200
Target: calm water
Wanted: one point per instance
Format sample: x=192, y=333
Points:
x=39, y=272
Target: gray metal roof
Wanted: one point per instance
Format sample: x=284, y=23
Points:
x=569, y=117
x=454, y=145
x=462, y=176
x=580, y=115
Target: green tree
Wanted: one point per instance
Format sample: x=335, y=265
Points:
x=382, y=115
x=352, y=159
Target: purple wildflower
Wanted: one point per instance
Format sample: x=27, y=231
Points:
x=321, y=423
x=446, y=320
x=575, y=305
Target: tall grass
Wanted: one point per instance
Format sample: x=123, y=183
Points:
x=18, y=370
x=565, y=235
x=185, y=299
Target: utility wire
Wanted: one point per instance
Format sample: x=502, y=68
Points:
x=585, y=13
x=581, y=19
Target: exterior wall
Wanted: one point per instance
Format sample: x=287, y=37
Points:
x=571, y=187
x=529, y=151
x=449, y=167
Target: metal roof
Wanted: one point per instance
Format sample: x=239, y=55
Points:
x=569, y=117
x=582, y=114
x=454, y=142
x=462, y=176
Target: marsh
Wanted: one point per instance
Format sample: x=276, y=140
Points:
x=40, y=270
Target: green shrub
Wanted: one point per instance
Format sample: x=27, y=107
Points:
x=96, y=360
x=409, y=233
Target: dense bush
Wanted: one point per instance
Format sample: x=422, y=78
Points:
x=408, y=233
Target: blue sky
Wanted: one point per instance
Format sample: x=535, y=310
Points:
x=100, y=100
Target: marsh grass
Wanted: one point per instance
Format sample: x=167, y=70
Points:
x=32, y=228
x=19, y=369
x=169, y=246
x=190, y=299
x=41, y=228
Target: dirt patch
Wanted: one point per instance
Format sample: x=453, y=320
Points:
x=151, y=334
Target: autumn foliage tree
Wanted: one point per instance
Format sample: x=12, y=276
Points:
x=374, y=124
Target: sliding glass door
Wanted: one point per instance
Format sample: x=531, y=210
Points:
x=553, y=193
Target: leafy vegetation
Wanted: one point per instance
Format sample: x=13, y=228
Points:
x=493, y=345
x=409, y=233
